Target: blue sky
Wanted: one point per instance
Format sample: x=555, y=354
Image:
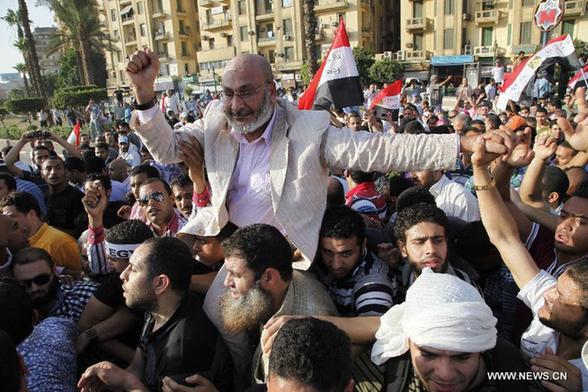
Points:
x=40, y=17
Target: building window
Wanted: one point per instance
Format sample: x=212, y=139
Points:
x=567, y=27
x=448, y=39
x=243, y=32
x=509, y=34
x=113, y=15
x=271, y=56
x=487, y=36
x=229, y=40
x=187, y=68
x=208, y=16
x=289, y=54
x=211, y=43
x=417, y=10
x=286, y=3
x=143, y=29
x=417, y=42
x=182, y=27
x=139, y=8
x=242, y=6
x=449, y=8
x=526, y=32
x=287, y=26
x=185, y=49
x=488, y=5
x=179, y=6
x=528, y=3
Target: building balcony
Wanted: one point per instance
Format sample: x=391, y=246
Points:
x=416, y=55
x=264, y=15
x=158, y=14
x=206, y=56
x=224, y=2
x=183, y=34
x=266, y=41
x=487, y=51
x=160, y=35
x=330, y=5
x=487, y=16
x=527, y=48
x=205, y=3
x=124, y=2
x=127, y=19
x=111, y=83
x=130, y=41
x=417, y=24
x=163, y=57
x=217, y=24
x=366, y=30
x=575, y=8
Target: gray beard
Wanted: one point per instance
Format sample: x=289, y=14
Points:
x=247, y=312
x=263, y=117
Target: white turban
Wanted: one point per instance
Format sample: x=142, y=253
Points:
x=441, y=311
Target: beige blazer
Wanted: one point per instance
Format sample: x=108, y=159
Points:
x=303, y=147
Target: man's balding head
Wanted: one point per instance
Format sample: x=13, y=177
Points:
x=118, y=169
x=248, y=62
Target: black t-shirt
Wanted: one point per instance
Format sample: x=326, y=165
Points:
x=110, y=292
x=63, y=209
x=185, y=345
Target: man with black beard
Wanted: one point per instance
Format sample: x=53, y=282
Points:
x=259, y=283
x=34, y=267
x=267, y=161
x=421, y=232
x=177, y=338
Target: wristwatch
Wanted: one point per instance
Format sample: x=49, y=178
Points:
x=144, y=106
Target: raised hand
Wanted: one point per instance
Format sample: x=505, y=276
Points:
x=544, y=146
x=95, y=200
x=142, y=69
x=577, y=137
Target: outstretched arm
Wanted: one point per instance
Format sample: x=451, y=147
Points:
x=530, y=190
x=498, y=222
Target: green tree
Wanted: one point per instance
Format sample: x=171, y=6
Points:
x=23, y=13
x=22, y=70
x=305, y=73
x=80, y=29
x=69, y=72
x=25, y=106
x=364, y=59
x=385, y=71
x=581, y=47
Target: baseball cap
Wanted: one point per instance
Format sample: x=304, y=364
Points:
x=123, y=139
x=516, y=123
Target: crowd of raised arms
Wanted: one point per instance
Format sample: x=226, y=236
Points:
x=235, y=243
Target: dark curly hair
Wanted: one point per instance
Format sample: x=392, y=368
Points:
x=342, y=223
x=313, y=353
x=132, y=231
x=414, y=195
x=415, y=214
x=262, y=246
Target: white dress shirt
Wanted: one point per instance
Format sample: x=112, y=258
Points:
x=455, y=200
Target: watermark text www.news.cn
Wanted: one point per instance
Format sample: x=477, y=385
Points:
x=528, y=376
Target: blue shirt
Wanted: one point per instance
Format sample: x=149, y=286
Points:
x=34, y=190
x=50, y=356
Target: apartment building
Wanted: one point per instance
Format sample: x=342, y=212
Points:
x=463, y=36
x=49, y=63
x=169, y=27
x=275, y=29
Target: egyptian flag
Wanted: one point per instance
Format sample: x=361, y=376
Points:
x=579, y=79
x=559, y=50
x=74, y=136
x=336, y=83
x=388, y=99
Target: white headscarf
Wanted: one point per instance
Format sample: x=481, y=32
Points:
x=442, y=312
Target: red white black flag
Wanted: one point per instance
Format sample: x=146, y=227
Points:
x=559, y=50
x=336, y=83
x=579, y=79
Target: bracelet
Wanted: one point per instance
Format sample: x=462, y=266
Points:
x=144, y=106
x=486, y=187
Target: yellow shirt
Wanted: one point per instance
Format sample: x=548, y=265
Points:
x=61, y=246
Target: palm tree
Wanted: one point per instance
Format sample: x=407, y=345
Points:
x=80, y=30
x=12, y=18
x=23, y=13
x=310, y=30
x=22, y=69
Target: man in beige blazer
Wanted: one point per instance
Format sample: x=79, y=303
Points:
x=267, y=161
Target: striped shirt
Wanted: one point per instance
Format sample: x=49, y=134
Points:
x=367, y=291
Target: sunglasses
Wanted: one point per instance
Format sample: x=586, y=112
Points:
x=155, y=196
x=39, y=280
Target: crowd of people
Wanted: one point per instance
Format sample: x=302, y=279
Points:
x=246, y=245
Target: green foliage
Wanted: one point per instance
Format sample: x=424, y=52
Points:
x=26, y=105
x=69, y=73
x=188, y=91
x=77, y=96
x=305, y=72
x=49, y=83
x=16, y=94
x=364, y=59
x=98, y=67
x=385, y=71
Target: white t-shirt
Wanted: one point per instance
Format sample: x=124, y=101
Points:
x=498, y=74
x=538, y=336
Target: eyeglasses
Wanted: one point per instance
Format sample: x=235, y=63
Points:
x=39, y=280
x=244, y=95
x=155, y=196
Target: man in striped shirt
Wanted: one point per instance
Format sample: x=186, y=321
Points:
x=359, y=282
